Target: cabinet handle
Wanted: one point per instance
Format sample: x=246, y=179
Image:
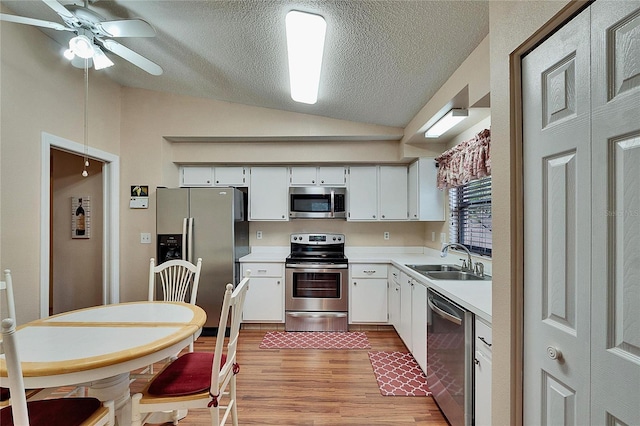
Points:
x=278, y=282
x=262, y=271
x=322, y=181
x=383, y=216
x=355, y=283
x=370, y=272
x=554, y=353
x=484, y=341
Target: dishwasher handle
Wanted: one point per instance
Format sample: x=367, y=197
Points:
x=446, y=315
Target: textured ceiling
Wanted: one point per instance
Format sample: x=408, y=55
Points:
x=383, y=60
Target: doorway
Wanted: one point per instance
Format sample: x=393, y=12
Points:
x=77, y=223
x=110, y=268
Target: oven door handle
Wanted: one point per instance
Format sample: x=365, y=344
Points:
x=445, y=315
x=316, y=267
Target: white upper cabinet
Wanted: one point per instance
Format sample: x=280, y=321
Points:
x=269, y=193
x=392, y=190
x=213, y=176
x=229, y=176
x=426, y=201
x=323, y=175
x=196, y=176
x=362, y=195
x=377, y=193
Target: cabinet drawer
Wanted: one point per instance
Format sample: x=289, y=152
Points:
x=365, y=270
x=263, y=269
x=483, y=337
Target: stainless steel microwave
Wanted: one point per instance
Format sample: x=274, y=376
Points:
x=317, y=202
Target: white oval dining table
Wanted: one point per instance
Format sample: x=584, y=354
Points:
x=97, y=347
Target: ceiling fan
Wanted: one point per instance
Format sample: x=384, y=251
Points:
x=93, y=33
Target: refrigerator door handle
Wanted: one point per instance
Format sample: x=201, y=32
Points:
x=190, y=240
x=184, y=238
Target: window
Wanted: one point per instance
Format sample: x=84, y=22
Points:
x=470, y=209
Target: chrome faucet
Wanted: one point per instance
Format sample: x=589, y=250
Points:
x=465, y=266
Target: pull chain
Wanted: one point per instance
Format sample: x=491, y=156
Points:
x=86, y=118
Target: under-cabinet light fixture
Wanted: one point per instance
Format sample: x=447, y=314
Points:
x=449, y=120
x=305, y=46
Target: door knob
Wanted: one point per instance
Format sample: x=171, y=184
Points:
x=554, y=353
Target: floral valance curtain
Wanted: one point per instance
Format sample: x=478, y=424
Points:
x=465, y=162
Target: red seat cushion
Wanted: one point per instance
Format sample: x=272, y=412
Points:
x=4, y=394
x=187, y=375
x=55, y=412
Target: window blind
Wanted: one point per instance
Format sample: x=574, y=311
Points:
x=470, y=209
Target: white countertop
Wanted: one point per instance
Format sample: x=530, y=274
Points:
x=474, y=296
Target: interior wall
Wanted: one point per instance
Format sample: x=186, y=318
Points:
x=511, y=24
x=41, y=91
x=76, y=278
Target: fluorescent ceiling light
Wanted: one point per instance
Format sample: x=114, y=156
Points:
x=100, y=60
x=305, y=45
x=449, y=120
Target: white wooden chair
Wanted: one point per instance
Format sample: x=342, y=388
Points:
x=8, y=310
x=47, y=412
x=200, y=379
x=178, y=280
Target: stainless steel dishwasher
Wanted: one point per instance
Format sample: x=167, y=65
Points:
x=449, y=358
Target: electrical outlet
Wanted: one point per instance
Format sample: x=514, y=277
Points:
x=145, y=238
x=433, y=235
x=259, y=235
x=443, y=237
x=386, y=235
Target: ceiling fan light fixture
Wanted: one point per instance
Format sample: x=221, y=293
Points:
x=82, y=46
x=305, y=47
x=69, y=54
x=445, y=123
x=100, y=60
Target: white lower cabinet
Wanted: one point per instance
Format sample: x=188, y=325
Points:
x=404, y=329
x=265, y=298
x=482, y=382
x=393, y=296
x=419, y=323
x=368, y=293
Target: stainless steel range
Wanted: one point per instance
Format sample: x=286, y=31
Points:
x=316, y=276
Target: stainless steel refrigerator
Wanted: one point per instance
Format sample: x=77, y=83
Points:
x=210, y=223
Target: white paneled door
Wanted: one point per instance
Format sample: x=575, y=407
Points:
x=581, y=148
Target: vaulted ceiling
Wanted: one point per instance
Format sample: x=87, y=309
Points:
x=383, y=59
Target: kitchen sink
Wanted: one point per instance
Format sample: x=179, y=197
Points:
x=431, y=268
x=456, y=275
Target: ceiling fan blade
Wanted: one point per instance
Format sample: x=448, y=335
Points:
x=60, y=9
x=127, y=28
x=31, y=21
x=131, y=56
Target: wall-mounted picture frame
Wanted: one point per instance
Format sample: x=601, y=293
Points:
x=81, y=216
x=139, y=197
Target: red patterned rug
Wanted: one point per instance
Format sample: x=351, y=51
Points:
x=314, y=340
x=398, y=374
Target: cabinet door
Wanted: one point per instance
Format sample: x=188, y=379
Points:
x=268, y=193
x=419, y=324
x=331, y=176
x=264, y=301
x=196, y=176
x=426, y=201
x=482, y=390
x=405, y=309
x=229, y=176
x=301, y=175
x=393, y=193
x=368, y=300
x=363, y=193
x=394, y=297
x=412, y=191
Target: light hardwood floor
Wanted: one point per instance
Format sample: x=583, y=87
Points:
x=316, y=387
